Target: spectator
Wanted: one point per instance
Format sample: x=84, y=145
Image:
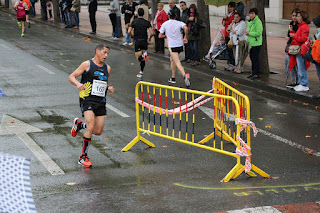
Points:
x=62, y=8
x=76, y=4
x=293, y=27
x=114, y=8
x=174, y=9
x=184, y=19
x=144, y=5
x=128, y=9
x=33, y=2
x=194, y=35
x=254, y=33
x=240, y=44
x=49, y=6
x=299, y=38
x=68, y=5
x=93, y=7
x=226, y=21
x=316, y=22
x=160, y=18
x=44, y=15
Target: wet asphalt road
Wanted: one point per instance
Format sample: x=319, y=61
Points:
x=172, y=177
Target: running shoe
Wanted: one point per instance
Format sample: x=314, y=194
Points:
x=172, y=80
x=187, y=80
x=140, y=74
x=75, y=129
x=84, y=161
x=22, y=34
x=145, y=56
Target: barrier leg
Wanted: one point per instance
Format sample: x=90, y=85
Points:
x=233, y=171
x=260, y=172
x=135, y=140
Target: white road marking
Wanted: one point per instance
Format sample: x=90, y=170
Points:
x=5, y=46
x=45, y=69
x=63, y=65
x=261, y=209
x=117, y=111
x=11, y=126
x=210, y=113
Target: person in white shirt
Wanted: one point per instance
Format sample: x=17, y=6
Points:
x=172, y=30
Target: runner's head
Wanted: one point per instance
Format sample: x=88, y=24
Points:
x=102, y=52
x=140, y=12
x=172, y=15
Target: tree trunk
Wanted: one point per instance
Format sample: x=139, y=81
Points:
x=154, y=8
x=264, y=61
x=6, y=3
x=56, y=11
x=205, y=38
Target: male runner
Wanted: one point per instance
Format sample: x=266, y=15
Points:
x=93, y=89
x=171, y=30
x=21, y=8
x=141, y=27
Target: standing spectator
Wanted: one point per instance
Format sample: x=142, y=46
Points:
x=193, y=36
x=226, y=21
x=254, y=33
x=174, y=9
x=93, y=6
x=76, y=4
x=160, y=18
x=62, y=8
x=316, y=22
x=27, y=12
x=184, y=19
x=33, y=2
x=144, y=5
x=128, y=11
x=49, y=6
x=299, y=38
x=114, y=8
x=293, y=27
x=68, y=5
x=44, y=15
x=237, y=30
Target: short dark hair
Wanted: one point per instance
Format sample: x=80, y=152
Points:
x=183, y=2
x=240, y=15
x=140, y=12
x=172, y=15
x=232, y=4
x=254, y=10
x=305, y=16
x=101, y=47
x=295, y=10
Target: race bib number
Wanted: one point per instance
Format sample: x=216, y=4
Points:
x=99, y=88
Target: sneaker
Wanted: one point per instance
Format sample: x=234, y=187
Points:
x=301, y=88
x=125, y=44
x=140, y=74
x=92, y=32
x=206, y=58
x=130, y=44
x=75, y=129
x=187, y=80
x=291, y=86
x=84, y=161
x=115, y=38
x=172, y=80
x=22, y=34
x=145, y=56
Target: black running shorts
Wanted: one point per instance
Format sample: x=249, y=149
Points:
x=99, y=109
x=140, y=45
x=27, y=12
x=21, y=19
x=176, y=49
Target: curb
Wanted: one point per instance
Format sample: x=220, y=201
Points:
x=226, y=76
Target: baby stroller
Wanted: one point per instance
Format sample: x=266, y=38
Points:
x=217, y=49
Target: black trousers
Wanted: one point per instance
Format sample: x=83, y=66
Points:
x=93, y=22
x=159, y=42
x=230, y=53
x=255, y=59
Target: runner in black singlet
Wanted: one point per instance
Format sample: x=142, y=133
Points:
x=93, y=89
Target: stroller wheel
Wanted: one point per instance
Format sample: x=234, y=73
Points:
x=213, y=65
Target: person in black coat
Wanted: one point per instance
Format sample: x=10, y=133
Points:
x=128, y=9
x=93, y=6
x=174, y=9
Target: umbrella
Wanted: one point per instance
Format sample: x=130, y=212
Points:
x=219, y=3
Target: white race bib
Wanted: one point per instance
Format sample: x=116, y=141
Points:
x=99, y=88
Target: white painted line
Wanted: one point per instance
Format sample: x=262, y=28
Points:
x=117, y=111
x=63, y=65
x=45, y=69
x=5, y=46
x=261, y=209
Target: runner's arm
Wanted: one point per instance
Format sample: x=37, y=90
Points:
x=79, y=71
x=15, y=5
x=186, y=31
x=151, y=33
x=110, y=88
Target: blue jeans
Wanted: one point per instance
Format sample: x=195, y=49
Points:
x=302, y=71
x=128, y=38
x=195, y=55
x=76, y=18
x=67, y=17
x=33, y=8
x=117, y=28
x=318, y=70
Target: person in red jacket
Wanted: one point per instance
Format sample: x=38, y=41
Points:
x=160, y=18
x=226, y=21
x=299, y=38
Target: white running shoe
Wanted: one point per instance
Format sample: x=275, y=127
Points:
x=301, y=88
x=125, y=44
x=172, y=81
x=140, y=74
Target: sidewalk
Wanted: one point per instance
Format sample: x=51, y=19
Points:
x=275, y=83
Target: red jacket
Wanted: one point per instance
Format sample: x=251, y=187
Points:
x=161, y=18
x=299, y=38
x=226, y=23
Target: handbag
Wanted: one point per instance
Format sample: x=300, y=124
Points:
x=230, y=43
x=294, y=49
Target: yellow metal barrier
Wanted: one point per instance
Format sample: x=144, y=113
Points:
x=157, y=100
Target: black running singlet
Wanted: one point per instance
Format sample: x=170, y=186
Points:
x=95, y=81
